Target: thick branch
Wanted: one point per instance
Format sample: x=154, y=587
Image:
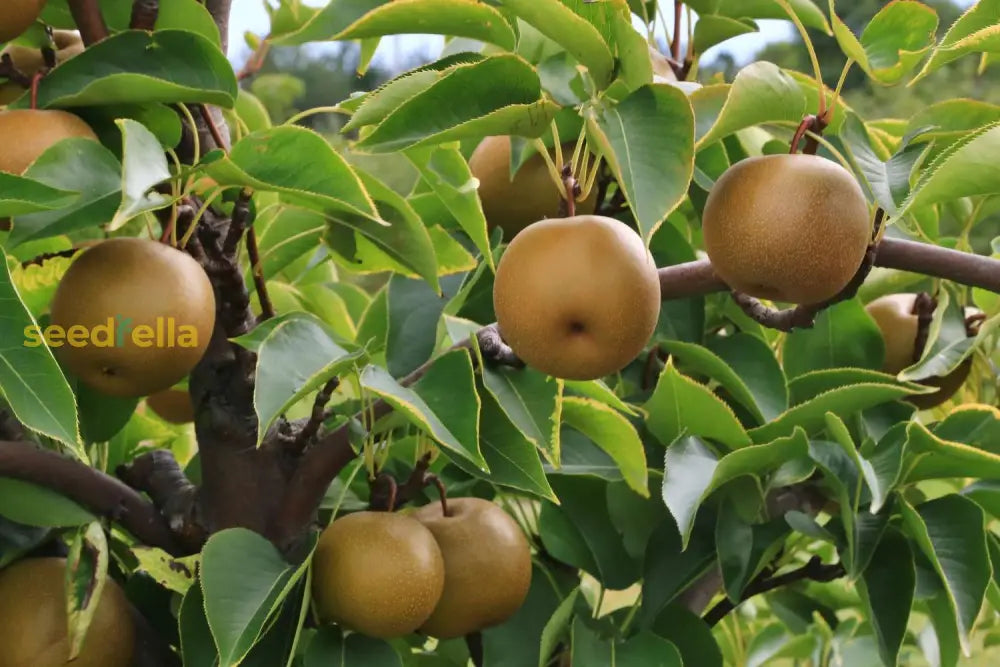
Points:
x=144, y=14
x=219, y=9
x=698, y=278
x=159, y=475
x=814, y=570
x=100, y=493
x=88, y=18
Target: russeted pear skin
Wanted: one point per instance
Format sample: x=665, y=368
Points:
x=893, y=313
x=27, y=133
x=577, y=298
x=487, y=566
x=33, y=621
x=532, y=195
x=16, y=16
x=172, y=405
x=134, y=282
x=378, y=573
x=29, y=60
x=791, y=228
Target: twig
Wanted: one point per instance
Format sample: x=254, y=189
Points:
x=9, y=71
x=260, y=283
x=206, y=114
x=255, y=61
x=102, y=494
x=675, y=46
x=311, y=427
x=88, y=18
x=384, y=492
x=923, y=307
x=158, y=474
x=493, y=347
x=814, y=570
x=45, y=256
x=144, y=14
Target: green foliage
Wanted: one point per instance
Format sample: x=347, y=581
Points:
x=727, y=459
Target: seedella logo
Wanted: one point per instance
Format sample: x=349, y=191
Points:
x=118, y=331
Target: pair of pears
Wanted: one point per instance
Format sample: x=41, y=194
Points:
x=387, y=574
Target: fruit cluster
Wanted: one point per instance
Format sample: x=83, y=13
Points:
x=446, y=575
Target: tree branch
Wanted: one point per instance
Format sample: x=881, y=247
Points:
x=814, y=570
x=144, y=14
x=88, y=18
x=102, y=494
x=219, y=9
x=698, y=278
x=159, y=475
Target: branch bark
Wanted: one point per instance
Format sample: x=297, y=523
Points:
x=699, y=278
x=88, y=18
x=219, y=9
x=102, y=494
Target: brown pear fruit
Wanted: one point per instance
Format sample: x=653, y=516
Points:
x=16, y=16
x=136, y=316
x=532, y=195
x=172, y=405
x=487, y=566
x=29, y=60
x=577, y=298
x=377, y=573
x=790, y=228
x=33, y=620
x=893, y=313
x=27, y=133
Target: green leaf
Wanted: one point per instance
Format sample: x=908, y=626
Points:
x=580, y=38
x=30, y=378
x=330, y=648
x=297, y=358
x=704, y=362
x=580, y=531
x=935, y=458
x=842, y=402
x=975, y=31
x=34, y=505
x=703, y=413
x=531, y=400
x=405, y=243
x=447, y=173
x=760, y=93
x=805, y=10
x=77, y=164
x=244, y=579
x=644, y=648
x=691, y=472
x=497, y=95
x=811, y=384
x=556, y=626
x=843, y=336
x=963, y=169
x=85, y=576
x=144, y=165
x=174, y=574
x=690, y=634
x=197, y=645
x=448, y=389
x=950, y=531
x=883, y=466
x=754, y=362
x=190, y=15
x=136, y=66
x=744, y=548
x=887, y=589
x=894, y=41
x=414, y=311
x=611, y=432
x=361, y=19
x=711, y=30
x=413, y=407
x=669, y=568
x=23, y=195
x=299, y=164
x=647, y=141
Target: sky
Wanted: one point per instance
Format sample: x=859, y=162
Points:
x=251, y=15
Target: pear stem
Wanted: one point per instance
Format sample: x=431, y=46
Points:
x=923, y=307
x=431, y=478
